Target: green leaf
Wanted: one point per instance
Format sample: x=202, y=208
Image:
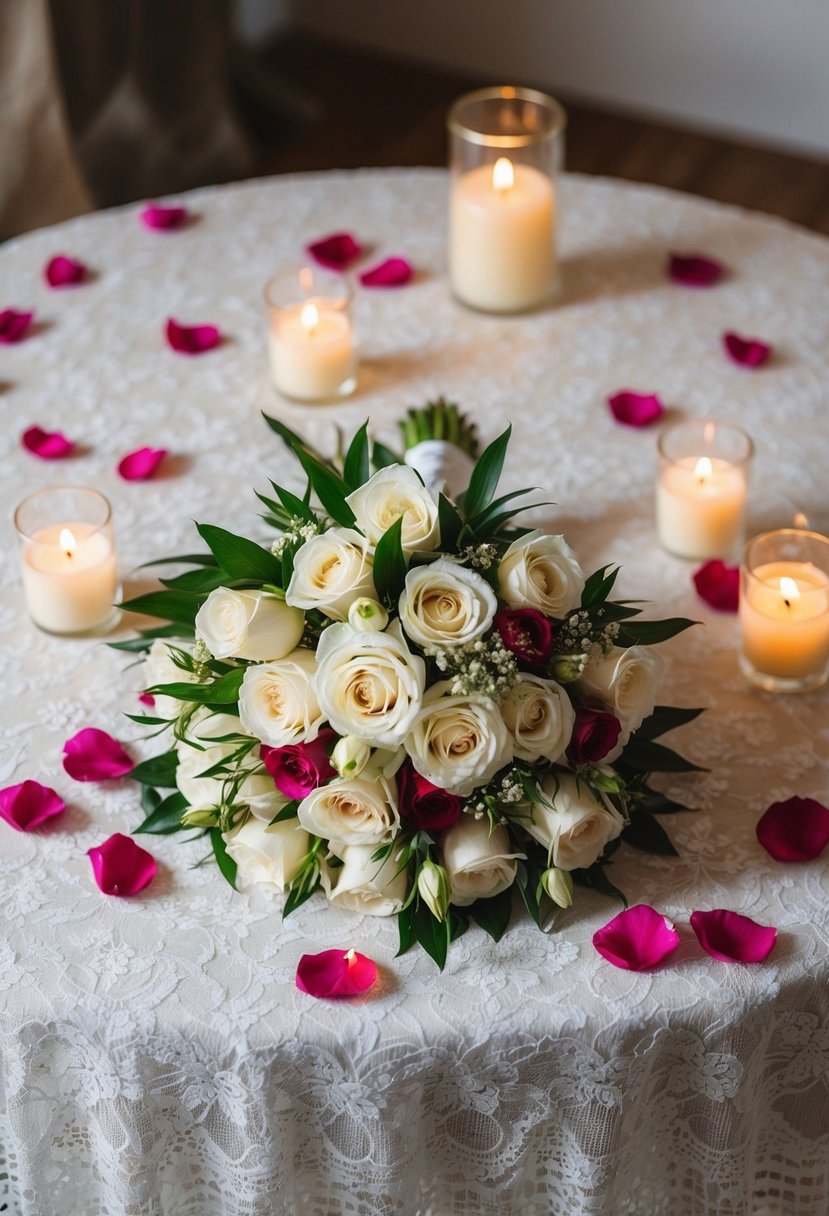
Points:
x=390, y=564
x=596, y=878
x=527, y=882
x=329, y=488
x=431, y=934
x=492, y=511
x=183, y=559
x=450, y=523
x=382, y=457
x=356, y=470
x=225, y=863
x=166, y=817
x=665, y=718
x=224, y=691
x=180, y=606
x=145, y=641
x=292, y=440
x=646, y=833
x=405, y=930
x=293, y=505
x=658, y=803
x=493, y=915
x=485, y=476
x=158, y=770
x=288, y=812
x=204, y=579
x=150, y=798
x=599, y=586
x=649, y=633
x=458, y=922
x=643, y=756
x=240, y=557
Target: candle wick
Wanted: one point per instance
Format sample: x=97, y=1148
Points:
x=788, y=603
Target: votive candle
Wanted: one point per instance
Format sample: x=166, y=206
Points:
x=311, y=343
x=702, y=488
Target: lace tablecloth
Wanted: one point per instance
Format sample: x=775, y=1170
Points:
x=156, y=1055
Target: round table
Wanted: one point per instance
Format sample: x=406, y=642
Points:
x=156, y=1055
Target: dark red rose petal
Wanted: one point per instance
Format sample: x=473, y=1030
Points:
x=13, y=325
x=192, y=339
x=47, y=445
x=695, y=270
x=394, y=272
x=732, y=938
x=63, y=271
x=595, y=733
x=719, y=585
x=635, y=409
x=337, y=251
x=794, y=830
x=748, y=352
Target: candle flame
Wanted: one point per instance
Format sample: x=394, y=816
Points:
x=67, y=541
x=703, y=470
x=503, y=174
x=349, y=956
x=801, y=520
x=789, y=590
x=310, y=317
x=306, y=279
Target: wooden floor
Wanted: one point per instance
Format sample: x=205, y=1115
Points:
x=356, y=109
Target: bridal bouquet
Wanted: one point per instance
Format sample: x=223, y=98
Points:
x=405, y=700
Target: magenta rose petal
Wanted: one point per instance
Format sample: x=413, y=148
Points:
x=393, y=272
x=63, y=271
x=732, y=938
x=299, y=768
x=794, y=830
x=13, y=325
x=28, y=805
x=192, y=339
x=162, y=219
x=47, y=445
x=635, y=409
x=337, y=251
x=637, y=939
x=93, y=755
x=748, y=352
x=147, y=698
x=695, y=270
x=122, y=867
x=141, y=464
x=335, y=973
x=719, y=585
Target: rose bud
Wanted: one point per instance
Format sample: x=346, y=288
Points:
x=433, y=888
x=527, y=633
x=367, y=616
x=569, y=668
x=595, y=735
x=559, y=886
x=350, y=756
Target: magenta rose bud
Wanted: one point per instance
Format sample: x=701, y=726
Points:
x=299, y=768
x=595, y=733
x=423, y=805
x=527, y=633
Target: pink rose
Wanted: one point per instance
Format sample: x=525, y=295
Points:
x=527, y=633
x=594, y=735
x=299, y=768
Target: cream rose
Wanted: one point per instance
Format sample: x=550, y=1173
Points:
x=458, y=742
x=353, y=811
x=248, y=625
x=478, y=862
x=540, y=718
x=445, y=604
x=387, y=495
x=369, y=684
x=331, y=571
x=277, y=701
x=267, y=856
x=625, y=682
x=365, y=886
x=572, y=824
x=540, y=571
x=160, y=668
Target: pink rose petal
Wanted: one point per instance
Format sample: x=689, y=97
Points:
x=794, y=830
x=637, y=939
x=192, y=339
x=394, y=272
x=147, y=698
x=13, y=325
x=335, y=973
x=337, y=251
x=29, y=804
x=63, y=271
x=48, y=445
x=719, y=585
x=122, y=867
x=141, y=464
x=732, y=938
x=93, y=755
x=748, y=352
x=695, y=270
x=163, y=218
x=635, y=409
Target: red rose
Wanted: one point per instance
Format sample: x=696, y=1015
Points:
x=299, y=768
x=527, y=633
x=595, y=733
x=423, y=805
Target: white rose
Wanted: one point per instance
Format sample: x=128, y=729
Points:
x=458, y=742
x=354, y=811
x=479, y=863
x=443, y=466
x=206, y=745
x=445, y=604
x=625, y=682
x=540, y=571
x=367, y=886
x=248, y=625
x=331, y=571
x=390, y=493
x=572, y=824
x=277, y=701
x=369, y=684
x=540, y=718
x=268, y=856
x=160, y=668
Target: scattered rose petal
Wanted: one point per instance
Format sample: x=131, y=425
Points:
x=394, y=272
x=93, y=755
x=337, y=251
x=719, y=585
x=695, y=270
x=595, y=733
x=13, y=325
x=141, y=464
x=794, y=830
x=335, y=973
x=732, y=938
x=62, y=271
x=48, y=445
x=192, y=339
x=147, y=698
x=748, y=352
x=161, y=218
x=122, y=867
x=635, y=409
x=637, y=939
x=29, y=804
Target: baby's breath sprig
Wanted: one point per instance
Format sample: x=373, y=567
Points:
x=484, y=666
x=584, y=637
x=297, y=533
x=480, y=557
x=502, y=798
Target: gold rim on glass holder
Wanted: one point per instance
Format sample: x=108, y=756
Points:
x=519, y=139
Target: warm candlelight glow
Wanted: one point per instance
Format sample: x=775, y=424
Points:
x=703, y=470
x=801, y=520
x=310, y=317
x=709, y=432
x=503, y=174
x=789, y=590
x=67, y=541
x=306, y=279
x=349, y=956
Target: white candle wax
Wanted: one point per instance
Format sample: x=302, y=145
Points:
x=69, y=583
x=502, y=240
x=700, y=504
x=312, y=350
x=785, y=625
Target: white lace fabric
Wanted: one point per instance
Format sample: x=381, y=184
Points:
x=157, y=1059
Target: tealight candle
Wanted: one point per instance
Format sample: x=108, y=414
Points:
x=702, y=488
x=784, y=610
x=311, y=340
x=70, y=577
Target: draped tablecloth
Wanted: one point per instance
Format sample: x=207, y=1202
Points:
x=156, y=1055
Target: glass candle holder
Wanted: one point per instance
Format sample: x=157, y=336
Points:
x=311, y=343
x=67, y=553
x=506, y=147
x=702, y=487
x=784, y=610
